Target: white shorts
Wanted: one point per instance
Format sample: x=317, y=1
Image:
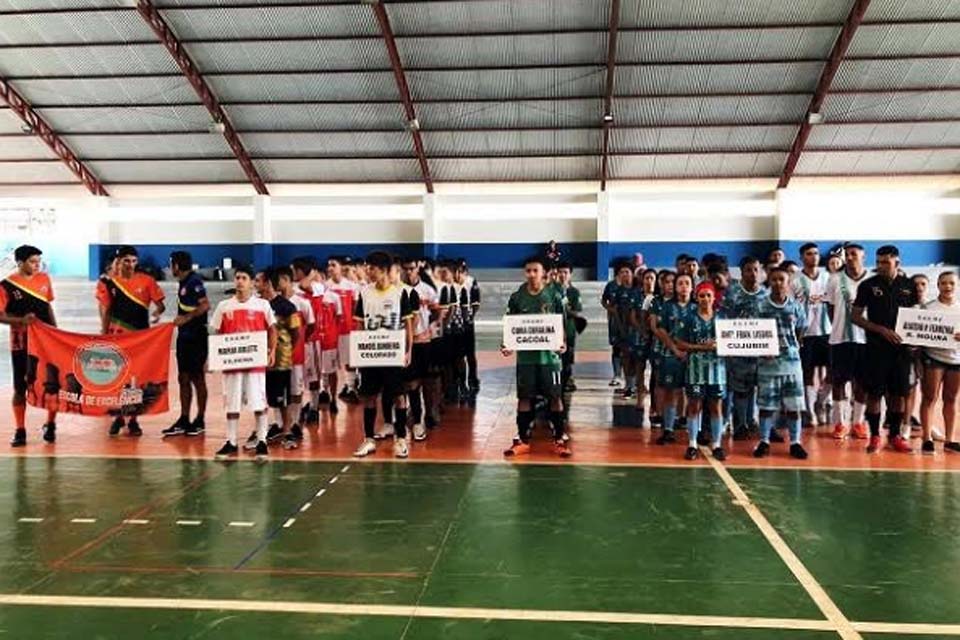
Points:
x=343, y=349
x=245, y=390
x=296, y=380
x=313, y=362
x=329, y=361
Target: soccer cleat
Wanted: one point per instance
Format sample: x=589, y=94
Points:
x=261, y=451
x=839, y=431
x=133, y=428
x=874, y=444
x=518, y=448
x=324, y=397
x=251, y=442
x=900, y=444
x=177, y=428
x=334, y=408
x=400, y=449
x=951, y=447
x=692, y=453
x=797, y=451
x=719, y=454
x=386, y=431
x=667, y=437
x=776, y=437
x=860, y=431
x=50, y=432
x=419, y=432
x=290, y=441
x=274, y=433
x=19, y=438
x=115, y=426
x=195, y=428
x=368, y=446
x=562, y=449
x=226, y=451
x=762, y=450
x=927, y=448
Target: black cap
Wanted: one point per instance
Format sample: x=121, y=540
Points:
x=853, y=245
x=127, y=250
x=888, y=250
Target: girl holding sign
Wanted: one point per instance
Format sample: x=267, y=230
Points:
x=941, y=372
x=665, y=322
x=706, y=371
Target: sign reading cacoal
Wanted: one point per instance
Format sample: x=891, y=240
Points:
x=533, y=332
x=747, y=337
x=380, y=348
x=233, y=351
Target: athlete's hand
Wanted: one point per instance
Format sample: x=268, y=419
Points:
x=154, y=318
x=710, y=345
x=562, y=349
x=271, y=357
x=956, y=337
x=891, y=336
x=406, y=359
x=506, y=353
x=681, y=355
x=179, y=321
x=28, y=319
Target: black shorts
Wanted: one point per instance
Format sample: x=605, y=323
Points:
x=278, y=388
x=886, y=370
x=192, y=354
x=815, y=352
x=846, y=362
x=930, y=363
x=386, y=380
x=20, y=365
x=420, y=367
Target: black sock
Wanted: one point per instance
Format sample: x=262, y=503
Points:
x=369, y=421
x=400, y=423
x=386, y=406
x=873, y=419
x=896, y=420
x=556, y=421
x=524, y=424
x=416, y=406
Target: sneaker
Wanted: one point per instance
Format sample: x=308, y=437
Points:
x=334, y=408
x=312, y=416
x=741, y=433
x=927, y=448
x=860, y=431
x=324, y=397
x=518, y=448
x=775, y=437
x=343, y=392
x=667, y=437
x=419, y=432
x=839, y=431
x=692, y=453
x=261, y=451
x=226, y=451
x=386, y=431
x=811, y=422
x=304, y=416
x=951, y=447
x=656, y=420
x=562, y=449
x=296, y=432
x=19, y=438
x=50, y=432
x=115, y=427
x=900, y=444
x=177, y=428
x=290, y=441
x=133, y=428
x=614, y=382
x=195, y=428
x=274, y=433
x=352, y=397
x=570, y=387
x=703, y=438
x=629, y=392
x=937, y=434
x=762, y=450
x=430, y=423
x=719, y=454
x=400, y=449
x=251, y=442
x=915, y=423
x=797, y=451
x=874, y=444
x=366, y=447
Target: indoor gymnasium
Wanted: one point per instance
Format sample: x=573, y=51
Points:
x=479, y=319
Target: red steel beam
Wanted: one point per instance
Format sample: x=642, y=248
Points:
x=612, y=32
x=40, y=128
x=401, y=78
x=168, y=39
x=837, y=54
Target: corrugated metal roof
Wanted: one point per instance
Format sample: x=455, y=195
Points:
x=506, y=143
x=172, y=89
x=718, y=78
x=190, y=145
x=368, y=143
x=26, y=5
x=497, y=15
x=314, y=117
x=361, y=170
x=66, y=61
x=726, y=44
x=913, y=9
x=173, y=171
x=892, y=106
x=545, y=113
x=317, y=87
x=879, y=162
x=267, y=57
x=73, y=27
x=691, y=139
x=577, y=48
x=502, y=84
x=897, y=74
x=905, y=39
x=885, y=135
x=23, y=147
x=515, y=169
x=22, y=172
x=120, y=119
x=713, y=110
x=338, y=20
x=697, y=166
x=656, y=13
x=9, y=122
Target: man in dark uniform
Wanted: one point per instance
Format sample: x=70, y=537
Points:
x=886, y=370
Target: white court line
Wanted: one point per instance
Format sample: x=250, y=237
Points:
x=908, y=628
x=306, y=505
x=136, y=521
x=289, y=523
x=30, y=520
x=816, y=592
x=189, y=523
x=83, y=520
x=320, y=493
x=346, y=467
x=240, y=524
x=334, y=479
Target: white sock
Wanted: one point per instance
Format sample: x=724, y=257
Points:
x=859, y=409
x=838, y=412
x=824, y=395
x=232, y=426
x=315, y=399
x=293, y=410
x=350, y=377
x=811, y=397
x=261, y=427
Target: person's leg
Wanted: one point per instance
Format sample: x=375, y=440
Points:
x=715, y=411
x=694, y=417
x=473, y=377
x=186, y=395
x=199, y=382
x=399, y=407
x=951, y=386
x=933, y=378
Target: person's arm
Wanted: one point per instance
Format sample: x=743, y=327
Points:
x=203, y=307
x=407, y=313
x=358, y=314
x=104, y=301
x=859, y=318
x=271, y=345
x=511, y=309
x=157, y=297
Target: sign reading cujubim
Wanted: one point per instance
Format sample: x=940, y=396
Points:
x=533, y=332
x=236, y=351
x=747, y=337
x=932, y=328
x=378, y=348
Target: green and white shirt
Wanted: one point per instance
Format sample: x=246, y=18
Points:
x=806, y=289
x=841, y=292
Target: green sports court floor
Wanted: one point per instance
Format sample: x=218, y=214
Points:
x=119, y=548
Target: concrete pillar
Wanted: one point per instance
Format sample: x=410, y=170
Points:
x=604, y=253
x=262, y=232
x=431, y=226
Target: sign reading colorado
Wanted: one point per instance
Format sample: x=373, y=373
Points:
x=534, y=332
x=237, y=351
x=747, y=337
x=924, y=328
x=380, y=348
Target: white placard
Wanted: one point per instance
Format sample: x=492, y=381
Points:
x=533, y=332
x=233, y=351
x=933, y=328
x=377, y=348
x=747, y=337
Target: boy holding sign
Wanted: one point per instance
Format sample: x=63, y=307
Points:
x=538, y=372
x=781, y=377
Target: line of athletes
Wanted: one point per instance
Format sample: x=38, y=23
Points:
x=308, y=312
x=836, y=328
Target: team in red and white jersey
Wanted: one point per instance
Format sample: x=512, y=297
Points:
x=288, y=289
x=348, y=291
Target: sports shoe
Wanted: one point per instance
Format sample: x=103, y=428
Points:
x=775, y=437
x=667, y=437
x=860, y=431
x=195, y=428
x=50, y=432
x=874, y=444
x=226, y=451
x=133, y=428
x=334, y=408
x=351, y=397
x=290, y=441
x=251, y=442
x=366, y=447
x=386, y=431
x=937, y=434
x=740, y=434
x=518, y=448
x=900, y=444
x=312, y=417
x=797, y=451
x=19, y=438
x=296, y=431
x=839, y=431
x=562, y=449
x=614, y=382
x=324, y=397
x=115, y=427
x=343, y=392
x=304, y=416
x=951, y=447
x=811, y=422
x=703, y=438
x=419, y=432
x=915, y=423
x=719, y=454
x=692, y=453
x=927, y=448
x=177, y=428
x=274, y=433
x=430, y=423
x=570, y=387
x=400, y=449
x=762, y=450
x=629, y=392
x=261, y=452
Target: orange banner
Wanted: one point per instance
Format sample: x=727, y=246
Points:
x=99, y=375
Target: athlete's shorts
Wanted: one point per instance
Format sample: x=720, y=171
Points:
x=297, y=380
x=192, y=354
x=436, y=356
x=535, y=380
x=671, y=373
x=20, y=361
x=312, y=362
x=343, y=349
x=887, y=370
x=244, y=390
x=781, y=392
x=846, y=362
x=931, y=363
x=419, y=362
x=742, y=374
x=815, y=352
x=329, y=361
x=706, y=391
x=376, y=380
x=278, y=388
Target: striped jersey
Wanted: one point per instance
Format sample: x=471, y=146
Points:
x=740, y=303
x=703, y=367
x=669, y=317
x=21, y=295
x=127, y=301
x=811, y=293
x=841, y=292
x=790, y=319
